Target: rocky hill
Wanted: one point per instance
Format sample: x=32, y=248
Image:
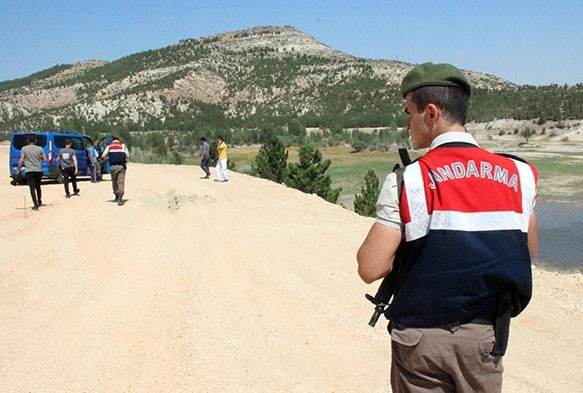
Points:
x=271, y=71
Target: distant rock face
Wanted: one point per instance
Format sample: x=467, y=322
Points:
x=273, y=66
x=507, y=132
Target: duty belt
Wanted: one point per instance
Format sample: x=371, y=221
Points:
x=452, y=327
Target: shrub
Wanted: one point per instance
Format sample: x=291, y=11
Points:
x=365, y=203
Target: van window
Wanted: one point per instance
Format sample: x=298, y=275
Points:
x=20, y=140
x=76, y=143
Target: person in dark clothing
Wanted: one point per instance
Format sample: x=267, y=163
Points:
x=30, y=158
x=67, y=161
x=205, y=157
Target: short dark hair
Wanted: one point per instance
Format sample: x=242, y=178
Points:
x=67, y=141
x=203, y=139
x=31, y=139
x=452, y=100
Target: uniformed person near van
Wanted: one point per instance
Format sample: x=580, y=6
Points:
x=469, y=230
x=30, y=157
x=118, y=155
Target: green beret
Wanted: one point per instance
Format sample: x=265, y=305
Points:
x=429, y=74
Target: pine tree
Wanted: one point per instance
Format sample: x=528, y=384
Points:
x=365, y=203
x=271, y=161
x=309, y=175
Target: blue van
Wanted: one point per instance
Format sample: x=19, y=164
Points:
x=52, y=142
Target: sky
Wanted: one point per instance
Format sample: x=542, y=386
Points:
x=535, y=42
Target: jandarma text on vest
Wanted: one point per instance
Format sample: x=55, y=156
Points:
x=485, y=170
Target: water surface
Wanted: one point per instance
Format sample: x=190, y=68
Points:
x=560, y=234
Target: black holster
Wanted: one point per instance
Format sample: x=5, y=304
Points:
x=502, y=326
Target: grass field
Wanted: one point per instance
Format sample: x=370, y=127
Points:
x=558, y=174
x=347, y=169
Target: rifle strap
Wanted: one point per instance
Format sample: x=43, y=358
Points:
x=399, y=171
x=406, y=160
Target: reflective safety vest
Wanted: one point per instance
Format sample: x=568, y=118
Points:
x=466, y=215
x=117, y=153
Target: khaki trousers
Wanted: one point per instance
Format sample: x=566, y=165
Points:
x=118, y=176
x=445, y=360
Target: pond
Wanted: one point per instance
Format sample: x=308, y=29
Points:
x=560, y=234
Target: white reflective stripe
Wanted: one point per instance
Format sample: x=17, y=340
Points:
x=415, y=190
x=528, y=189
x=483, y=221
x=422, y=222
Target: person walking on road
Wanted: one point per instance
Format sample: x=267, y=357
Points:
x=30, y=158
x=118, y=155
x=205, y=156
x=67, y=162
x=222, y=160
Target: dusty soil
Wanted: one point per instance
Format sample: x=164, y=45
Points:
x=197, y=286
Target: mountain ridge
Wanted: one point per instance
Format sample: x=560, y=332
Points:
x=274, y=69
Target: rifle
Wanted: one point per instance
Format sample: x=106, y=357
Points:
x=387, y=288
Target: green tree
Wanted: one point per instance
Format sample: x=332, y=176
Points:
x=176, y=158
x=527, y=133
x=359, y=146
x=294, y=127
x=156, y=142
x=271, y=161
x=309, y=175
x=365, y=203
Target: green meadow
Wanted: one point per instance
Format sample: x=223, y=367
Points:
x=347, y=169
x=558, y=174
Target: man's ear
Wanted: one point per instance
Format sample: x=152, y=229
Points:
x=432, y=112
